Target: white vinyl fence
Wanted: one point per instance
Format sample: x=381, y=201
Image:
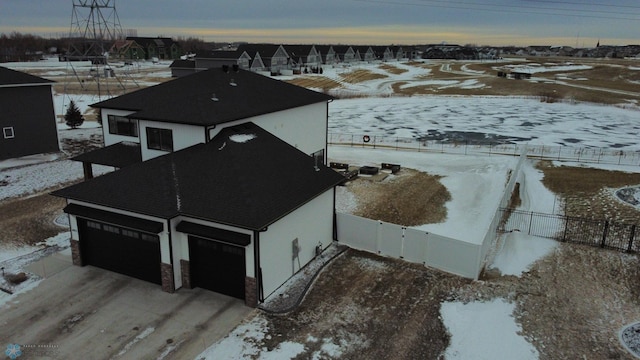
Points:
x=440, y=252
x=417, y=246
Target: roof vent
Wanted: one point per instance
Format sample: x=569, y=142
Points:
x=233, y=82
x=214, y=97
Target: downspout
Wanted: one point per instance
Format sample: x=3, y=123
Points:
x=173, y=274
x=256, y=266
x=170, y=246
x=326, y=135
x=335, y=217
x=207, y=130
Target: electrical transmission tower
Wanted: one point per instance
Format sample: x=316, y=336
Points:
x=95, y=28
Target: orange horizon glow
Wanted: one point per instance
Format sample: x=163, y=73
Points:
x=367, y=35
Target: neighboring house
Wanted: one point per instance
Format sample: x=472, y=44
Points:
x=229, y=191
x=304, y=55
x=328, y=54
x=126, y=50
x=272, y=57
x=27, y=115
x=158, y=47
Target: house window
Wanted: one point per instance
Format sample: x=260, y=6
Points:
x=8, y=132
x=160, y=139
x=120, y=125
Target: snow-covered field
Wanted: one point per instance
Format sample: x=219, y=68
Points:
x=464, y=176
x=523, y=121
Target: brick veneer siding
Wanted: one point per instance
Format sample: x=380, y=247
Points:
x=250, y=292
x=185, y=269
x=76, y=257
x=167, y=278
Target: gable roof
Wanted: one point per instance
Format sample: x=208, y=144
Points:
x=14, y=77
x=244, y=177
x=188, y=100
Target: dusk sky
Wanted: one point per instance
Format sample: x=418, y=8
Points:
x=483, y=22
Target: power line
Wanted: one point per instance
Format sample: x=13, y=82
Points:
x=501, y=8
x=586, y=4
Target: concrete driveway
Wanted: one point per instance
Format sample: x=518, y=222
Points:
x=90, y=313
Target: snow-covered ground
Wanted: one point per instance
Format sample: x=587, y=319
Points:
x=464, y=176
x=523, y=121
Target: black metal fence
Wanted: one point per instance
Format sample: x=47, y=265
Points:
x=602, y=233
x=485, y=147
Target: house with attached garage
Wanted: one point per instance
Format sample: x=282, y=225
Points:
x=27, y=116
x=226, y=187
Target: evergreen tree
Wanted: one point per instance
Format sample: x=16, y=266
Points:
x=73, y=117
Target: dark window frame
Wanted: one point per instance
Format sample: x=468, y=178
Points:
x=159, y=139
x=123, y=126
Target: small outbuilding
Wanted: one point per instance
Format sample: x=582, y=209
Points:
x=27, y=115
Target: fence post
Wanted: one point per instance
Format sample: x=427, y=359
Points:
x=559, y=151
x=604, y=233
x=530, y=222
x=375, y=139
x=633, y=234
x=599, y=155
x=566, y=227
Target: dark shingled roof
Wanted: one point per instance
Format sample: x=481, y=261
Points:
x=13, y=77
x=247, y=184
x=188, y=100
x=118, y=155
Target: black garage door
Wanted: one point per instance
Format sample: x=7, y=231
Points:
x=217, y=266
x=122, y=250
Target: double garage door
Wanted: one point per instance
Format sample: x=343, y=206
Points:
x=215, y=265
x=123, y=250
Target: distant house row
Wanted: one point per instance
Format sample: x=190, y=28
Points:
x=278, y=58
x=147, y=48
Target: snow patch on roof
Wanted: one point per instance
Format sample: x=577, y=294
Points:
x=242, y=138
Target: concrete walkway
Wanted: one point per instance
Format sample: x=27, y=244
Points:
x=90, y=313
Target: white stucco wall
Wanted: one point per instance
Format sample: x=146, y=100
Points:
x=304, y=128
x=183, y=137
x=180, y=244
x=311, y=224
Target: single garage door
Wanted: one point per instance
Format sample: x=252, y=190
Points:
x=123, y=250
x=217, y=266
